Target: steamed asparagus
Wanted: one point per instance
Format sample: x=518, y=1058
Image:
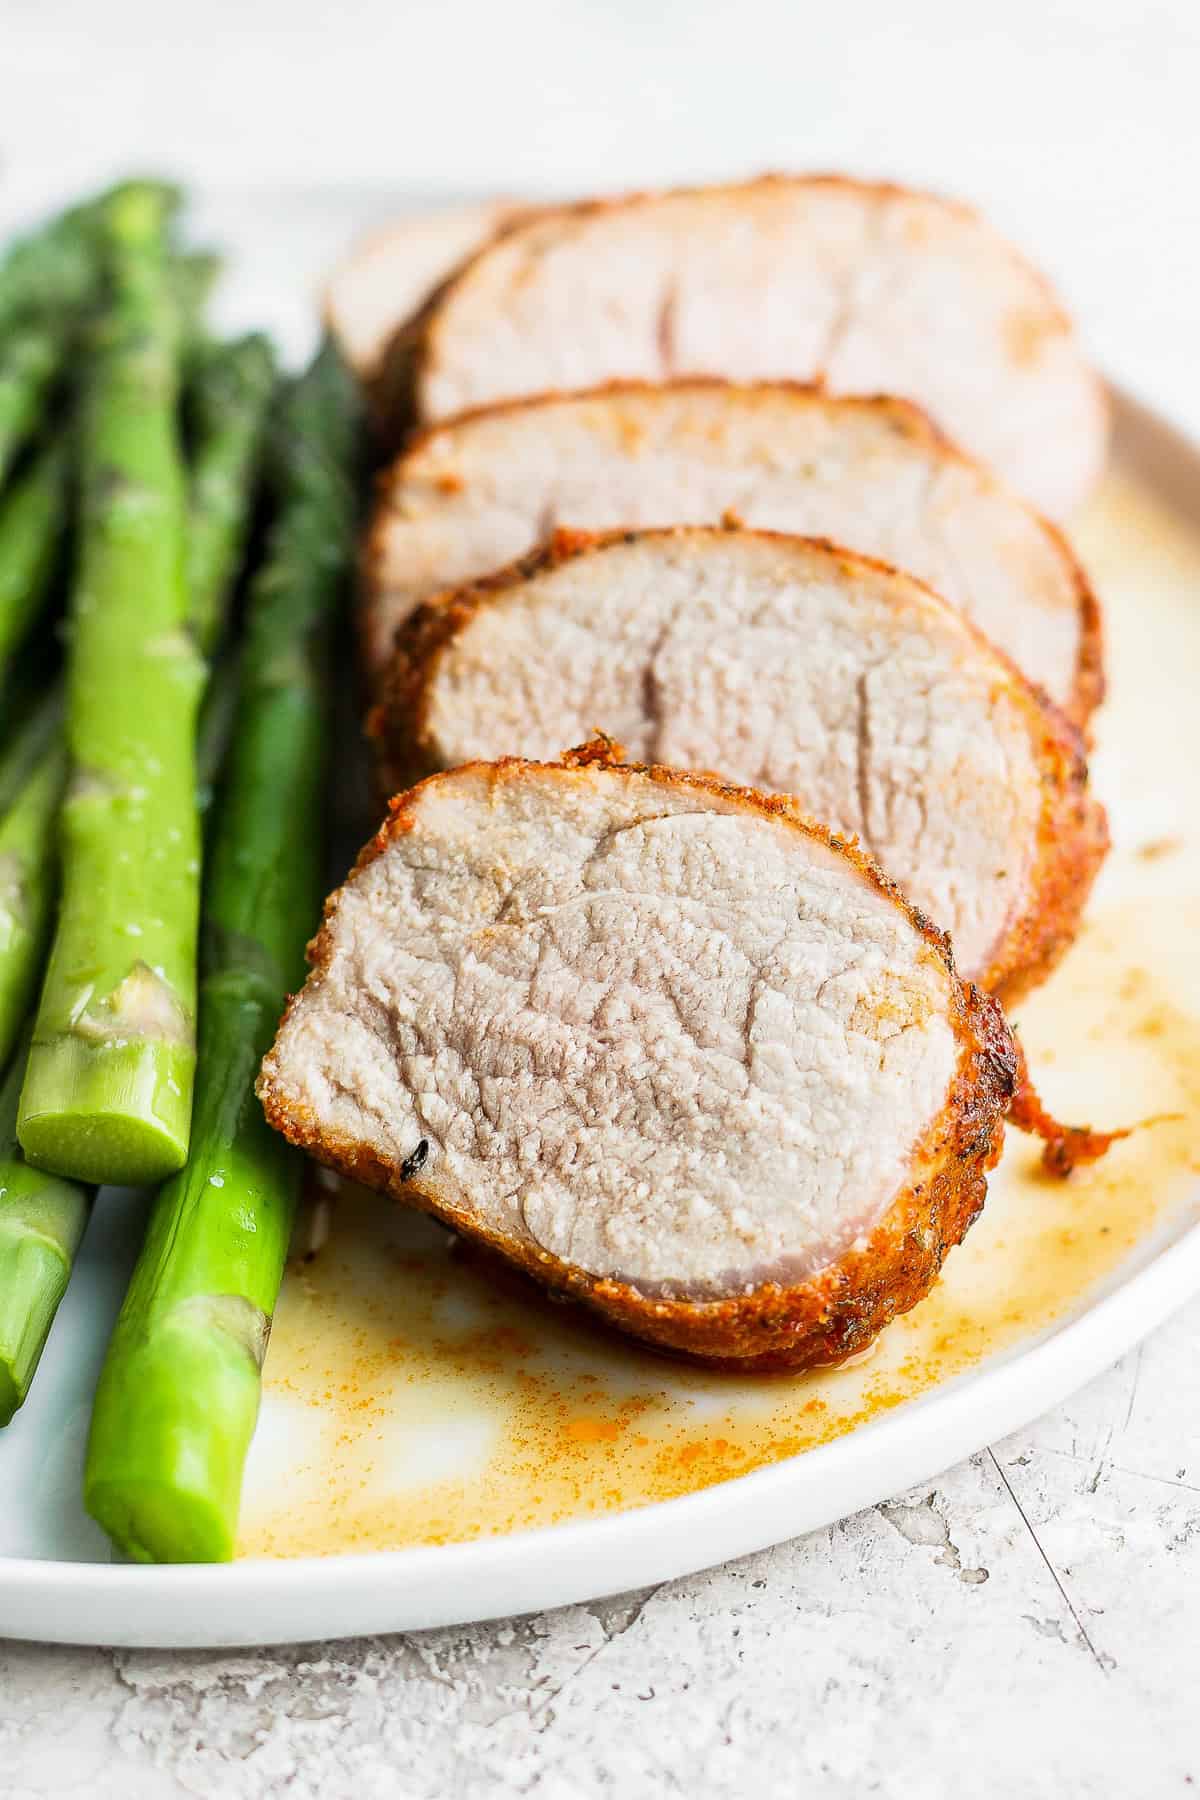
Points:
x=53, y=268
x=31, y=524
x=31, y=782
x=178, y=1396
x=41, y=1222
x=107, y=1094
x=50, y=270
x=41, y=1215
x=29, y=361
x=230, y=393
x=49, y=279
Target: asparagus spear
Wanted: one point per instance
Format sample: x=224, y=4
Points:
x=48, y=280
x=42, y=1216
x=29, y=361
x=41, y=1222
x=193, y=276
x=31, y=783
x=31, y=524
x=53, y=269
x=34, y=352
x=230, y=394
x=178, y=1395
x=108, y=1089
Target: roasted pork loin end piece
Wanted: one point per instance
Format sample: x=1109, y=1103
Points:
x=862, y=286
x=470, y=495
x=796, y=667
x=389, y=275
x=658, y=1042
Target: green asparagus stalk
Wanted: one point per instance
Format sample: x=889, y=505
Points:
x=108, y=1090
x=35, y=1265
x=31, y=783
x=53, y=269
x=33, y=353
x=178, y=1395
x=29, y=361
x=48, y=281
x=41, y=1222
x=50, y=271
x=42, y=1216
x=31, y=528
x=193, y=277
x=230, y=394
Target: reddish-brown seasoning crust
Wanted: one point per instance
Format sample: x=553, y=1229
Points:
x=905, y=418
x=834, y=1313
x=1073, y=828
x=1064, y=1147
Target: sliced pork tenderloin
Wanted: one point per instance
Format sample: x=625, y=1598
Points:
x=658, y=1042
x=389, y=275
x=796, y=667
x=861, y=286
x=473, y=494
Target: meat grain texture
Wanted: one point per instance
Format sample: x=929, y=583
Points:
x=660, y=1043
x=861, y=286
x=875, y=474
x=793, y=666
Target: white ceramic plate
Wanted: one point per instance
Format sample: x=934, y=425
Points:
x=465, y=1417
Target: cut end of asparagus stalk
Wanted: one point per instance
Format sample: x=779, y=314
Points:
x=171, y=1425
x=153, y=1522
x=116, y=1112
x=41, y=1222
x=34, y=1271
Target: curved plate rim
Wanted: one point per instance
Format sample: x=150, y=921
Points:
x=364, y=1592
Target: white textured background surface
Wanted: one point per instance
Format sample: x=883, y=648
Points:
x=1030, y=1624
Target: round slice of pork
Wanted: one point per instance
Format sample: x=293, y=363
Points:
x=863, y=287
x=390, y=274
x=796, y=667
x=658, y=1042
x=473, y=494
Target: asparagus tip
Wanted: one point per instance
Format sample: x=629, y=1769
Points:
x=137, y=211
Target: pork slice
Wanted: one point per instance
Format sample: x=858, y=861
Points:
x=796, y=667
x=476, y=492
x=862, y=286
x=658, y=1042
x=389, y=275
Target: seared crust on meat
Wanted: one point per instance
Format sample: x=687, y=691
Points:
x=835, y=1312
x=1031, y=337
x=1072, y=833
